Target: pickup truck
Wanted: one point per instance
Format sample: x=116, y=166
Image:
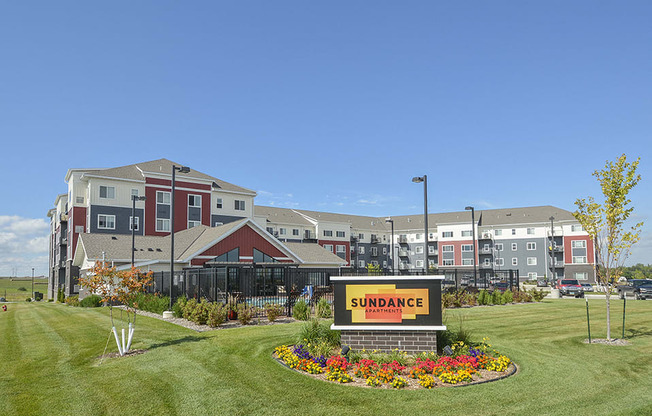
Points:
x=570, y=287
x=640, y=288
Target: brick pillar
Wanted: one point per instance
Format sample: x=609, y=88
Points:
x=408, y=341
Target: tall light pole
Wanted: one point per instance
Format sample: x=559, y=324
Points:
x=391, y=245
x=424, y=179
x=475, y=269
x=33, y=297
x=552, y=251
x=182, y=169
x=134, y=198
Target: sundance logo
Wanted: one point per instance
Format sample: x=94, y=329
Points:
x=385, y=303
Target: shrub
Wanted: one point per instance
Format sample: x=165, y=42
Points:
x=246, y=313
x=188, y=308
x=92, y=301
x=217, y=314
x=320, y=334
x=508, y=296
x=50, y=300
x=199, y=314
x=484, y=298
x=323, y=308
x=521, y=296
x=22, y=289
x=72, y=300
x=301, y=311
x=497, y=298
x=273, y=311
x=61, y=296
x=538, y=295
x=177, y=308
x=28, y=300
x=152, y=302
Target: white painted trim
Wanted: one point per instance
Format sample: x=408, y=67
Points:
x=105, y=215
x=396, y=278
x=387, y=328
x=177, y=188
x=246, y=257
x=85, y=175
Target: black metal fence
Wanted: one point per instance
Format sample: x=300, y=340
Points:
x=258, y=285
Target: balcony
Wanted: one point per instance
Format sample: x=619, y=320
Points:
x=354, y=237
x=403, y=266
x=485, y=236
x=434, y=252
x=486, y=266
x=486, y=251
x=63, y=241
x=375, y=239
x=402, y=239
x=557, y=249
x=402, y=253
x=63, y=217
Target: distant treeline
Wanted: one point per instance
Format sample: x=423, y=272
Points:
x=638, y=271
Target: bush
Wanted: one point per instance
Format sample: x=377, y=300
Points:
x=246, y=313
x=61, y=296
x=92, y=301
x=497, y=298
x=323, y=308
x=22, y=289
x=538, y=295
x=72, y=300
x=188, y=308
x=179, y=305
x=217, y=314
x=521, y=296
x=484, y=298
x=301, y=311
x=273, y=311
x=152, y=303
x=50, y=300
x=28, y=300
x=199, y=314
x=508, y=296
x=319, y=335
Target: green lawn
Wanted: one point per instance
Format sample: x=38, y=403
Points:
x=48, y=366
x=9, y=288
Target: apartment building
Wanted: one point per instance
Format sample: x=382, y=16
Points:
x=99, y=201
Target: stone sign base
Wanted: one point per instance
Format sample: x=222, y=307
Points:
x=386, y=341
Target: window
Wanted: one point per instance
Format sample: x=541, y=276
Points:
x=499, y=261
x=498, y=232
x=192, y=224
x=499, y=246
x=134, y=192
x=194, y=201
x=361, y=249
x=513, y=231
x=107, y=192
x=431, y=249
x=431, y=263
x=467, y=247
x=218, y=203
x=282, y=231
x=579, y=259
x=79, y=200
x=467, y=233
x=106, y=222
x=340, y=234
x=239, y=205
x=448, y=262
x=361, y=263
x=328, y=233
x=162, y=224
x=530, y=231
x=135, y=222
x=218, y=223
x=578, y=244
x=467, y=262
x=374, y=251
x=447, y=234
x=431, y=236
x=340, y=248
x=576, y=227
x=384, y=264
x=328, y=247
x=360, y=236
x=295, y=231
x=514, y=246
x=487, y=262
x=532, y=276
x=447, y=249
x=419, y=263
x=418, y=249
x=531, y=261
x=418, y=236
x=384, y=250
x=531, y=246
x=514, y=261
x=270, y=230
x=162, y=197
x=581, y=276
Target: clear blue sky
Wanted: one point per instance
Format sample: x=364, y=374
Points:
x=329, y=106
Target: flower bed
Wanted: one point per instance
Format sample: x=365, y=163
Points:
x=467, y=364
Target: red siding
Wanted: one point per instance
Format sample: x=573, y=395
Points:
x=177, y=183
x=77, y=217
x=246, y=239
x=568, y=251
x=180, y=209
x=457, y=251
x=347, y=249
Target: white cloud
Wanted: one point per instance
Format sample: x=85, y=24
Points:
x=23, y=245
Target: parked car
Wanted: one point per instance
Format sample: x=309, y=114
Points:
x=570, y=287
x=640, y=288
x=588, y=287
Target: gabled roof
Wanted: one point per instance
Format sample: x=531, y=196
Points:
x=315, y=254
x=139, y=171
x=529, y=215
x=358, y=222
x=281, y=215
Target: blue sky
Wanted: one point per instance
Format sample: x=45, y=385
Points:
x=329, y=106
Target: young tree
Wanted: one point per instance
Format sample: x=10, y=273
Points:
x=605, y=222
x=118, y=286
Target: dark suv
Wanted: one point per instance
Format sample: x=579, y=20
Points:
x=570, y=287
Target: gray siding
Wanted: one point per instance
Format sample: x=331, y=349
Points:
x=224, y=219
x=121, y=219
